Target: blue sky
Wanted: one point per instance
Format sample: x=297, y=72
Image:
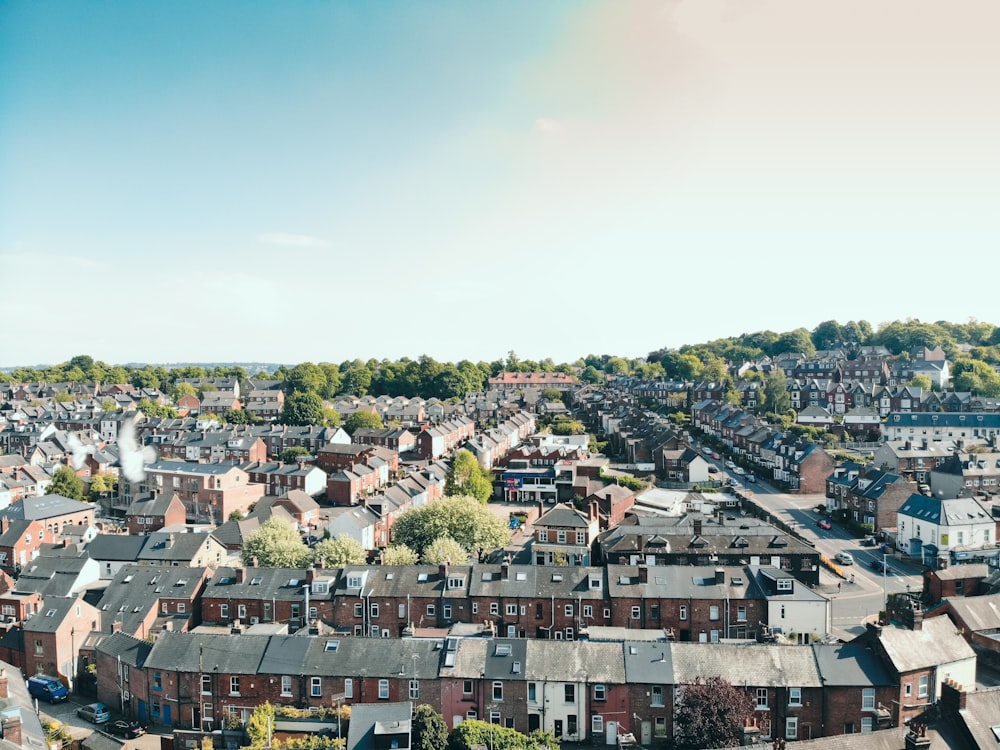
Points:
x=318, y=181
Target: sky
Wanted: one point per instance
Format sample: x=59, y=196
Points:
x=295, y=181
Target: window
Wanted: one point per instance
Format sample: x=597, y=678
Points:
x=581, y=537
x=569, y=610
x=359, y=609
x=206, y=684
x=660, y=726
x=683, y=614
x=234, y=685
x=794, y=696
x=157, y=680
x=39, y=648
x=374, y=610
x=569, y=693
x=561, y=536
x=316, y=687
x=867, y=698
x=761, y=701
x=431, y=610
x=922, y=687
x=349, y=687
x=654, y=612
x=475, y=608
x=713, y=612
x=635, y=613
x=180, y=607
x=792, y=728
x=241, y=611
x=414, y=690
x=467, y=687
x=446, y=611
x=497, y=690
x=456, y=582
x=741, y=613
x=383, y=689
x=494, y=608
x=600, y=693
x=866, y=724
x=543, y=535
x=597, y=724
x=286, y=685
x=223, y=611
x=908, y=689
x=656, y=696
x=588, y=610
x=511, y=610
x=532, y=692
x=607, y=613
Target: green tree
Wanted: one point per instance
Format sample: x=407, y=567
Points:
x=65, y=482
x=63, y=397
x=463, y=518
x=291, y=455
x=357, y=380
x=331, y=417
x=155, y=409
x=429, y=731
x=399, y=554
x=799, y=340
x=467, y=477
x=363, y=418
x=102, y=484
x=567, y=426
x=260, y=725
x=591, y=374
x=236, y=515
x=342, y=550
x=552, y=394
x=776, y=398
x=306, y=378
x=276, y=544
x=238, y=416
x=495, y=737
x=921, y=381
x=827, y=334
x=711, y=713
x=180, y=390
x=302, y=408
x=444, y=549
x=109, y=404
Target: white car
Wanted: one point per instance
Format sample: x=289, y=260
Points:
x=844, y=558
x=739, y=470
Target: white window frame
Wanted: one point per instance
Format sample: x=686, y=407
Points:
x=383, y=690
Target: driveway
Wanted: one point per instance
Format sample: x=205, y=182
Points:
x=65, y=714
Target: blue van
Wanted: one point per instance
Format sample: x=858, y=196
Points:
x=47, y=689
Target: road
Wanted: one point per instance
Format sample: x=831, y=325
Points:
x=853, y=603
x=65, y=714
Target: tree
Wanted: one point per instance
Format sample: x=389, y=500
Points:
x=236, y=515
x=776, y=398
x=303, y=408
x=552, y=394
x=711, y=713
x=260, y=725
x=155, y=409
x=591, y=374
x=276, y=544
x=462, y=518
x=475, y=732
x=467, y=477
x=238, y=416
x=331, y=417
x=306, y=378
x=921, y=381
x=65, y=482
x=184, y=389
x=342, y=550
x=444, y=549
x=109, y=404
x=565, y=426
x=399, y=554
x=363, y=418
x=357, y=380
x=429, y=731
x=291, y=455
x=102, y=484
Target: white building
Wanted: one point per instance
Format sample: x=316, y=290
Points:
x=935, y=529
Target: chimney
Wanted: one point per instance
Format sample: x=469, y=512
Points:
x=643, y=574
x=923, y=443
x=594, y=513
x=916, y=738
x=443, y=570
x=720, y=576
x=697, y=527
x=3, y=683
x=12, y=730
x=239, y=575
x=505, y=571
x=952, y=697
x=253, y=561
x=116, y=626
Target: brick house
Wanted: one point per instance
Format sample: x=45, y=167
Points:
x=210, y=492
x=53, y=512
x=53, y=636
x=152, y=513
x=20, y=541
x=563, y=535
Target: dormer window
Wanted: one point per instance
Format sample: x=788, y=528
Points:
x=353, y=582
x=456, y=582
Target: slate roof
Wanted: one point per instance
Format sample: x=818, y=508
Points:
x=679, y=581
x=51, y=576
x=136, y=589
x=50, y=615
x=194, y=652
x=283, y=584
x=978, y=613
x=763, y=665
x=369, y=718
x=563, y=515
x=850, y=664
x=530, y=581
x=937, y=643
x=574, y=661
x=116, y=547
x=131, y=650
x=157, y=505
x=391, y=657
x=169, y=546
x=648, y=663
x=42, y=507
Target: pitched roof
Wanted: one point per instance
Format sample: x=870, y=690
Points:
x=938, y=642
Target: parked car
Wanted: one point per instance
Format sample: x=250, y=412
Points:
x=752, y=478
x=95, y=713
x=824, y=523
x=127, y=729
x=715, y=456
x=844, y=558
x=739, y=471
x=713, y=469
x=47, y=689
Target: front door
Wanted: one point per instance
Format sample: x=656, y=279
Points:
x=534, y=722
x=557, y=727
x=646, y=733
x=166, y=714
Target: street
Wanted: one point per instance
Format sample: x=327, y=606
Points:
x=862, y=595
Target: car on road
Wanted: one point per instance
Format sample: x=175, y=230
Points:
x=731, y=482
x=879, y=566
x=715, y=456
x=844, y=558
x=127, y=729
x=95, y=713
x=706, y=450
x=739, y=471
x=47, y=689
x=824, y=523
x=752, y=478
x=713, y=469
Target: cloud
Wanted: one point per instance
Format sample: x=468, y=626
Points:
x=285, y=239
